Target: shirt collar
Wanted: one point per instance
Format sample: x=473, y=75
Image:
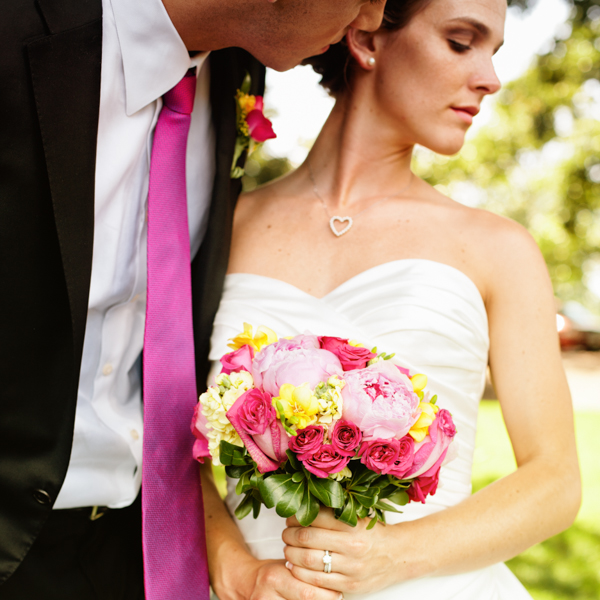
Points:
x=154, y=56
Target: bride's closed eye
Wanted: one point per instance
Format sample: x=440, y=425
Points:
x=458, y=47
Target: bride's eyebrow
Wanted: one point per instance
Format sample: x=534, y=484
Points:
x=480, y=27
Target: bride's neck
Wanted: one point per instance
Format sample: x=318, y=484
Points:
x=356, y=156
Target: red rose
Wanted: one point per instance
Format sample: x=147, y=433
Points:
x=345, y=437
x=422, y=486
x=256, y=412
x=307, y=441
x=351, y=357
x=260, y=128
x=446, y=424
x=406, y=455
x=379, y=455
x=240, y=360
x=325, y=461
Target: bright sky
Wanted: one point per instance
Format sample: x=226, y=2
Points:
x=298, y=106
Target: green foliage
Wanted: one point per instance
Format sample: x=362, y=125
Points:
x=261, y=168
x=292, y=490
x=538, y=160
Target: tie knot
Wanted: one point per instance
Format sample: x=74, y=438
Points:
x=181, y=98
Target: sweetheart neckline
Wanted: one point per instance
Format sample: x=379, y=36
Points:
x=366, y=271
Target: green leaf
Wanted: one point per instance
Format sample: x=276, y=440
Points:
x=245, y=87
x=309, y=508
x=362, y=475
x=289, y=504
x=368, y=498
x=235, y=472
x=372, y=522
x=273, y=488
x=298, y=476
x=294, y=460
x=348, y=515
x=244, y=507
x=400, y=497
x=232, y=455
x=328, y=491
x=385, y=506
x=362, y=511
x=256, y=504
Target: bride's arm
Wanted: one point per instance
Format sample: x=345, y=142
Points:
x=234, y=573
x=538, y=500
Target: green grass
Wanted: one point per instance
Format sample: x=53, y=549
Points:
x=567, y=566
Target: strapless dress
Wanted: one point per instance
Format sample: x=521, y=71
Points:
x=433, y=318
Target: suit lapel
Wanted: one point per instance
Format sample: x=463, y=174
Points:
x=65, y=71
x=228, y=69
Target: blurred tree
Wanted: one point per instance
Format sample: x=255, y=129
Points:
x=538, y=159
x=261, y=168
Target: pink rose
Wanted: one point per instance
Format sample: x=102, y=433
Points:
x=325, y=461
x=406, y=455
x=261, y=129
x=287, y=362
x=200, y=449
x=345, y=437
x=256, y=412
x=422, y=486
x=266, y=449
x=307, y=441
x=380, y=400
x=239, y=360
x=431, y=451
x=379, y=455
x=351, y=357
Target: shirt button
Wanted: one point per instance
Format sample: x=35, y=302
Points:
x=107, y=369
x=42, y=496
x=134, y=434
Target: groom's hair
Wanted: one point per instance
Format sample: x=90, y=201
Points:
x=335, y=65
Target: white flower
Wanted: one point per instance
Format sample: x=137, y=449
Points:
x=329, y=396
x=345, y=473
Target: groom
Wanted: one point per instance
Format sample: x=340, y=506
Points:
x=81, y=95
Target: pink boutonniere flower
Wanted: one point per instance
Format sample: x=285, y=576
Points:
x=253, y=128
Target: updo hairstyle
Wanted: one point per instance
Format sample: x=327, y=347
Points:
x=336, y=65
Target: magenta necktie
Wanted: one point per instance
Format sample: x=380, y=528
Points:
x=174, y=544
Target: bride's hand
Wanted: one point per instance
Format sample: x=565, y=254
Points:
x=361, y=559
x=270, y=580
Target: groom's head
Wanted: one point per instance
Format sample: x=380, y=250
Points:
x=279, y=33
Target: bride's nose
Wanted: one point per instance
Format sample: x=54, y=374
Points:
x=485, y=80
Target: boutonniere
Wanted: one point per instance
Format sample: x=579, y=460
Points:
x=253, y=128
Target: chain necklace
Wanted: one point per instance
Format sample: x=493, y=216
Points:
x=349, y=220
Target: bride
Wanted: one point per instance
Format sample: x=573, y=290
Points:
x=352, y=244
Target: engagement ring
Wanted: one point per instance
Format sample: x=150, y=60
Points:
x=327, y=562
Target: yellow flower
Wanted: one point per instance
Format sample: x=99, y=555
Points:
x=419, y=381
x=246, y=102
x=263, y=337
x=299, y=404
x=421, y=427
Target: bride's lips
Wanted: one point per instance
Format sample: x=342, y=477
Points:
x=466, y=113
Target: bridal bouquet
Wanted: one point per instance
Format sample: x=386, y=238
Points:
x=313, y=420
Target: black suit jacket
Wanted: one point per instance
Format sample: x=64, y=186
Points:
x=50, y=56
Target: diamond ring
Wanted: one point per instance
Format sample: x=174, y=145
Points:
x=327, y=562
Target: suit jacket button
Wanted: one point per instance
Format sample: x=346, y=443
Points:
x=42, y=497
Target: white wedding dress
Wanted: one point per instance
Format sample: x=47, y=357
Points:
x=433, y=317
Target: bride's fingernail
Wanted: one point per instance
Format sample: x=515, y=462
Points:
x=288, y=565
x=341, y=597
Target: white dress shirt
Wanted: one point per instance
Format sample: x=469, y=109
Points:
x=142, y=58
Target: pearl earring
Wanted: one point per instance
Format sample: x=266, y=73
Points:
x=371, y=61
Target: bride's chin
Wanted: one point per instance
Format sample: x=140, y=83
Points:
x=447, y=147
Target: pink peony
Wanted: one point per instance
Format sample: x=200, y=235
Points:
x=379, y=455
x=260, y=128
x=406, y=455
x=289, y=361
x=351, y=357
x=307, y=441
x=431, y=451
x=381, y=401
x=345, y=437
x=266, y=449
x=325, y=461
x=403, y=370
x=422, y=486
x=239, y=360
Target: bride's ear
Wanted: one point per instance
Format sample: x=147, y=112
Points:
x=362, y=47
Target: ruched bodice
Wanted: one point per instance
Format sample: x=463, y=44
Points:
x=433, y=318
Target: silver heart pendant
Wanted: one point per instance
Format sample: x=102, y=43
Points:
x=342, y=220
